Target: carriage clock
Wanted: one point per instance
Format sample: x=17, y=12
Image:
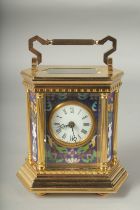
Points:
x=72, y=117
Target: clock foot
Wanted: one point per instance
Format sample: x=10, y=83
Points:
x=102, y=194
x=40, y=194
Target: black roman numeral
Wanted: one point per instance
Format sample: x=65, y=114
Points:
x=58, y=116
x=64, y=110
x=64, y=136
x=86, y=124
x=83, y=131
x=84, y=117
x=79, y=111
x=73, y=138
x=79, y=136
x=58, y=130
x=72, y=110
x=56, y=123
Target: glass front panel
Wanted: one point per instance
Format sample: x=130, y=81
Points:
x=72, y=71
x=71, y=115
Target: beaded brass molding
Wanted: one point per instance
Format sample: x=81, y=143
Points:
x=69, y=89
x=94, y=170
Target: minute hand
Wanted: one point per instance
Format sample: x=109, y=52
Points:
x=74, y=137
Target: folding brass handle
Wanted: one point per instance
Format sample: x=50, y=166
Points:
x=37, y=60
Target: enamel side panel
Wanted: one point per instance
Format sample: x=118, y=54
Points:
x=33, y=120
x=110, y=124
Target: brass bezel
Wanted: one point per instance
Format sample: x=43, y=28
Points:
x=73, y=145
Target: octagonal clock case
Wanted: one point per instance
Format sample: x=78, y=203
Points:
x=72, y=119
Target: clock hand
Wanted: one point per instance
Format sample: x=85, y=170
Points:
x=62, y=126
x=71, y=125
x=74, y=137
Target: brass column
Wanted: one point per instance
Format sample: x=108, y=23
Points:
x=115, y=127
x=29, y=141
x=40, y=130
x=103, y=131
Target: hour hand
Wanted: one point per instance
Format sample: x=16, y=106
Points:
x=60, y=125
x=63, y=126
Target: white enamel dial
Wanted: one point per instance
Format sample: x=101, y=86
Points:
x=71, y=123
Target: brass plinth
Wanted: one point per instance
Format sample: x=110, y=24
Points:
x=72, y=181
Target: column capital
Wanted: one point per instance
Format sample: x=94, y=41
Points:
x=104, y=95
x=39, y=95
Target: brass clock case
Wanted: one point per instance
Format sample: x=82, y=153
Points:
x=102, y=176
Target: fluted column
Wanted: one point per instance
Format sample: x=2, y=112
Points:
x=103, y=130
x=40, y=131
x=115, y=127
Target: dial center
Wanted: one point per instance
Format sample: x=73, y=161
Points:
x=71, y=124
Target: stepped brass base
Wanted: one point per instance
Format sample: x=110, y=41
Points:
x=72, y=181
